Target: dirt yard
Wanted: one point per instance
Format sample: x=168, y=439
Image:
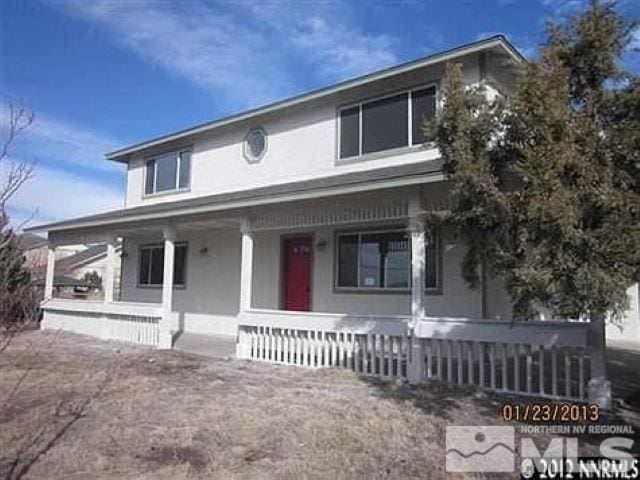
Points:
x=75, y=407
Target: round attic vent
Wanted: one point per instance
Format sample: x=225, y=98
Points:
x=255, y=144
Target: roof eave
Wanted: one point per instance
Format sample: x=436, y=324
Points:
x=170, y=210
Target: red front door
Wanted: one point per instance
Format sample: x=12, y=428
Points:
x=296, y=274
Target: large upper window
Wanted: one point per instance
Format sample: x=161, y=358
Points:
x=389, y=122
x=171, y=171
x=151, y=268
x=381, y=260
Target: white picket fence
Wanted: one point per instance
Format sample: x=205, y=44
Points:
x=126, y=322
x=547, y=359
x=381, y=355
x=516, y=368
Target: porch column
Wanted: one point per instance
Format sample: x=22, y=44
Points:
x=166, y=338
x=246, y=276
x=246, y=267
x=416, y=225
x=599, y=388
x=109, y=269
x=417, y=268
x=49, y=274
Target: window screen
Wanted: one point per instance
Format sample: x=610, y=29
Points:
x=397, y=260
x=385, y=124
x=348, y=261
x=166, y=169
x=423, y=108
x=432, y=267
x=179, y=265
x=374, y=260
x=150, y=179
x=385, y=260
x=152, y=265
x=145, y=265
x=382, y=260
x=350, y=132
x=185, y=169
x=157, y=266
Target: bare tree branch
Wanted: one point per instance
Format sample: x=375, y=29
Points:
x=18, y=297
x=13, y=173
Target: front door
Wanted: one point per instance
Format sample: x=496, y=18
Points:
x=296, y=273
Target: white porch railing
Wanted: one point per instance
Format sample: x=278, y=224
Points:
x=123, y=321
x=369, y=345
x=542, y=358
x=548, y=359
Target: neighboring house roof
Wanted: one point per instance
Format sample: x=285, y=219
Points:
x=63, y=281
x=67, y=264
x=387, y=177
x=497, y=41
x=84, y=257
x=30, y=241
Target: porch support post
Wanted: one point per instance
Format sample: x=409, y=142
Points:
x=246, y=276
x=417, y=227
x=49, y=274
x=166, y=338
x=109, y=269
x=599, y=387
x=246, y=271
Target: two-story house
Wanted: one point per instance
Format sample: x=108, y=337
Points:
x=299, y=228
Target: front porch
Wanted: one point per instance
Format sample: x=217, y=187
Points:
x=377, y=295
x=201, y=273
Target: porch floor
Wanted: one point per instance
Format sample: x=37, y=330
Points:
x=216, y=346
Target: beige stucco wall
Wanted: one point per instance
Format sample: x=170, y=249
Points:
x=456, y=298
x=209, y=301
x=302, y=144
x=622, y=331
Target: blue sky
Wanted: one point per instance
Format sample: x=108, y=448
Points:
x=101, y=74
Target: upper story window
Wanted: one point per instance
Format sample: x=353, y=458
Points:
x=168, y=172
x=386, y=123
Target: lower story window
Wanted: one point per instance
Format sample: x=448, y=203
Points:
x=381, y=260
x=151, y=266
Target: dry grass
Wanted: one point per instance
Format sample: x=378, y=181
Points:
x=75, y=407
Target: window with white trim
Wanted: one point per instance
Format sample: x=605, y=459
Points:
x=151, y=266
x=381, y=261
x=386, y=123
x=168, y=172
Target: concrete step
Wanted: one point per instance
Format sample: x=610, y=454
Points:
x=220, y=346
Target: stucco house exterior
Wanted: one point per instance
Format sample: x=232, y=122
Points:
x=298, y=228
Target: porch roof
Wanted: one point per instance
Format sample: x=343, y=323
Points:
x=388, y=177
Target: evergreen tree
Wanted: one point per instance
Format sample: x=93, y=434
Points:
x=545, y=182
x=17, y=295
